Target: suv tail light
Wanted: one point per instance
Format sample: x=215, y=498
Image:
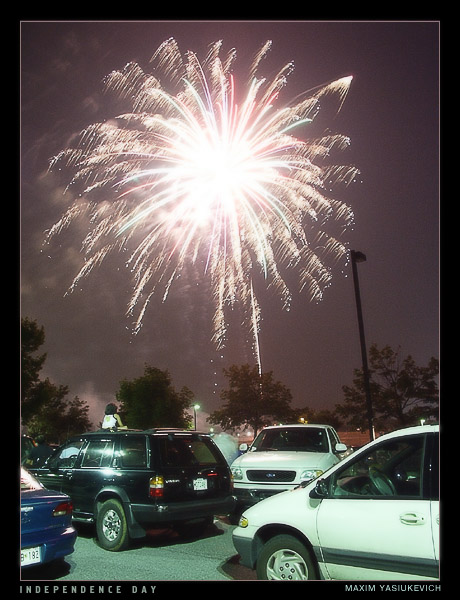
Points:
x=62, y=509
x=156, y=487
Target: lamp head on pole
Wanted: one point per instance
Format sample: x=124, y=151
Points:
x=357, y=256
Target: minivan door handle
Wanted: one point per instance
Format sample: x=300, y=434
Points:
x=68, y=474
x=412, y=518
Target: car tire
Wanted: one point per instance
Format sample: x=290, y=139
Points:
x=112, y=526
x=285, y=558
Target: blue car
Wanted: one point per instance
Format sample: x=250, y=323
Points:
x=46, y=523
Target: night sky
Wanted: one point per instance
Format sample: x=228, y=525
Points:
x=392, y=117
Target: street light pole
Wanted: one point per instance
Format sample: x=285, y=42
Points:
x=357, y=257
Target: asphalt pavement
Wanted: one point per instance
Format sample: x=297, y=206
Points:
x=162, y=556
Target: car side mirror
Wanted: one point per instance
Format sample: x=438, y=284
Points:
x=320, y=489
x=243, y=448
x=339, y=448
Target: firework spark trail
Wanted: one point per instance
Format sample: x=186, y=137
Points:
x=195, y=176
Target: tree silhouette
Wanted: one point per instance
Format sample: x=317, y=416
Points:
x=402, y=393
x=253, y=399
x=45, y=407
x=152, y=401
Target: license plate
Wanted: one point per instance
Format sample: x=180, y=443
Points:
x=200, y=484
x=30, y=556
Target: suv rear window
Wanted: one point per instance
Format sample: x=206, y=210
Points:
x=187, y=452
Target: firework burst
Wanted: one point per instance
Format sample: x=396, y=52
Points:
x=187, y=174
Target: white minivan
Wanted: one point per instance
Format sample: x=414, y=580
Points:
x=373, y=516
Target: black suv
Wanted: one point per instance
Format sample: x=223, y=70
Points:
x=127, y=481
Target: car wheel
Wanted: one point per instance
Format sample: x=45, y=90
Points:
x=285, y=558
x=112, y=527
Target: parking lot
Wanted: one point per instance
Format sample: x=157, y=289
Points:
x=378, y=493
x=162, y=556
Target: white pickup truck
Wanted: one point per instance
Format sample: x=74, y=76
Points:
x=281, y=458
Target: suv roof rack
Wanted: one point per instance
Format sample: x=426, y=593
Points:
x=149, y=430
x=174, y=430
x=166, y=429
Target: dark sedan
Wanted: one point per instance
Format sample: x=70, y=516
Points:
x=46, y=523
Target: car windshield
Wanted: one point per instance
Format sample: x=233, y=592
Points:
x=28, y=482
x=294, y=439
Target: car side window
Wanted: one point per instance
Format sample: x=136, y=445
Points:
x=98, y=453
x=187, y=452
x=132, y=452
x=333, y=439
x=393, y=468
x=66, y=457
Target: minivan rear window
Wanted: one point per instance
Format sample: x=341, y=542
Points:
x=189, y=451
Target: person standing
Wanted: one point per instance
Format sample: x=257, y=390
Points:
x=38, y=455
